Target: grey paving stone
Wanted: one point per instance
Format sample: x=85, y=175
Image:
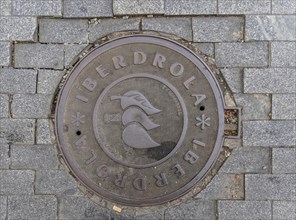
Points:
x=107, y=26
x=270, y=27
x=190, y=7
x=81, y=208
x=284, y=210
x=17, y=131
x=39, y=56
x=43, y=135
x=3, y=207
x=269, y=133
x=4, y=157
x=17, y=81
x=254, y=106
x=195, y=210
x=283, y=54
x=248, y=160
x=283, y=7
x=270, y=187
x=234, y=79
x=252, y=54
x=271, y=80
x=37, y=7
x=244, y=7
x=283, y=160
x=224, y=186
x=158, y=215
x=71, y=51
x=63, y=30
x=87, y=8
x=5, y=54
x=206, y=48
x=18, y=28
x=4, y=103
x=35, y=157
x=217, y=29
x=284, y=106
x=16, y=182
x=133, y=7
x=178, y=26
x=232, y=143
x=5, y=7
x=31, y=105
x=244, y=210
x=48, y=81
x=32, y=207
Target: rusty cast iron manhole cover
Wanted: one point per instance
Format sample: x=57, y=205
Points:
x=140, y=120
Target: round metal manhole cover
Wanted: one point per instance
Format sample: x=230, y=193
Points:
x=140, y=120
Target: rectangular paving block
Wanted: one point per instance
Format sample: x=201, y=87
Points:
x=43, y=133
x=283, y=7
x=270, y=80
x=5, y=54
x=134, y=7
x=4, y=157
x=3, y=207
x=206, y=48
x=37, y=7
x=17, y=81
x=284, y=106
x=283, y=54
x=177, y=26
x=18, y=28
x=283, y=160
x=16, y=182
x=234, y=78
x=269, y=133
x=34, y=157
x=244, y=210
x=39, y=56
x=270, y=27
x=71, y=51
x=217, y=29
x=87, y=8
x=4, y=106
x=63, y=30
x=17, y=131
x=190, y=7
x=244, y=7
x=252, y=54
x=270, y=187
x=31, y=105
x=284, y=210
x=5, y=7
x=48, y=81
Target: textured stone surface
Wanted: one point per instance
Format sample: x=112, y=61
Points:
x=284, y=210
x=244, y=7
x=48, y=81
x=3, y=207
x=269, y=133
x=4, y=157
x=71, y=51
x=283, y=160
x=151, y=216
x=122, y=7
x=33, y=157
x=43, y=135
x=217, y=29
x=177, y=26
x=244, y=210
x=270, y=27
x=272, y=80
x=37, y=7
x=206, y=48
x=4, y=103
x=284, y=106
x=39, y=56
x=234, y=79
x=5, y=53
x=253, y=54
x=283, y=54
x=17, y=81
x=5, y=7
x=190, y=7
x=283, y=7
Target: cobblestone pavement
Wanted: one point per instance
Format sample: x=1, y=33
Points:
x=252, y=42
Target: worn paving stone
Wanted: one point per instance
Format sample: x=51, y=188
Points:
x=244, y=210
x=17, y=81
x=283, y=160
x=217, y=29
x=18, y=28
x=232, y=143
x=107, y=26
x=4, y=106
x=284, y=210
x=283, y=54
x=284, y=106
x=244, y=7
x=252, y=54
x=270, y=187
x=48, y=81
x=177, y=26
x=87, y=8
x=32, y=207
x=195, y=210
x=190, y=7
x=254, y=106
x=71, y=51
x=37, y=7
x=81, y=208
x=5, y=7
x=283, y=7
x=133, y=7
x=31, y=105
x=16, y=182
x=158, y=215
x=247, y=160
x=3, y=207
x=270, y=27
x=33, y=157
x=271, y=80
x=206, y=48
x=5, y=55
x=63, y=30
x=39, y=56
x=4, y=157
x=17, y=131
x=43, y=135
x=269, y=133
x=234, y=79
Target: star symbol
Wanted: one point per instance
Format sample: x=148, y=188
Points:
x=78, y=119
x=203, y=121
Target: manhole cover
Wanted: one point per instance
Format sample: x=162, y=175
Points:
x=140, y=120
